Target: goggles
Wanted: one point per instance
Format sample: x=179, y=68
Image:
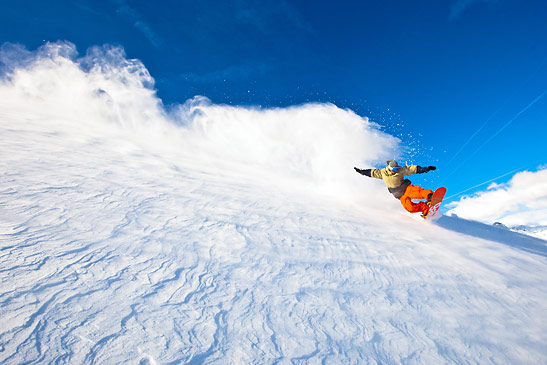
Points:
x=395, y=169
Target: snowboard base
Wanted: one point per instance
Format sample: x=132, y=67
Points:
x=435, y=204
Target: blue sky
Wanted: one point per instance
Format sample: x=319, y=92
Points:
x=461, y=81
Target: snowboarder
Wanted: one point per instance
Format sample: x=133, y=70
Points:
x=401, y=188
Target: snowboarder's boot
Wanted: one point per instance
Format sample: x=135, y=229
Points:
x=426, y=210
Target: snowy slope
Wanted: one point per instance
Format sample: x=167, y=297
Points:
x=539, y=232
x=535, y=231
x=216, y=234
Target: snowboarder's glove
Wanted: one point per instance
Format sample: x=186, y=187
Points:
x=422, y=170
x=363, y=172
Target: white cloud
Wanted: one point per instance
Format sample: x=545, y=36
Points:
x=521, y=201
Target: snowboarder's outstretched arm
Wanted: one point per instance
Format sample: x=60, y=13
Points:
x=407, y=170
x=363, y=172
x=375, y=173
x=421, y=170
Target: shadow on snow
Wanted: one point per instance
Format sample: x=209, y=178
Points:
x=492, y=233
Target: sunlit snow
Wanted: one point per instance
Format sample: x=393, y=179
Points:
x=231, y=235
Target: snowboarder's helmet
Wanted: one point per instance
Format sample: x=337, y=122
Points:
x=393, y=166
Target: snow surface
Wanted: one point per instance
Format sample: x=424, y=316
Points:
x=216, y=234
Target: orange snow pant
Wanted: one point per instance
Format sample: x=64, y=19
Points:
x=415, y=192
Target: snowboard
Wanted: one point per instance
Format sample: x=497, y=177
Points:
x=436, y=201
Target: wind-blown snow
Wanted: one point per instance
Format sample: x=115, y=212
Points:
x=217, y=234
